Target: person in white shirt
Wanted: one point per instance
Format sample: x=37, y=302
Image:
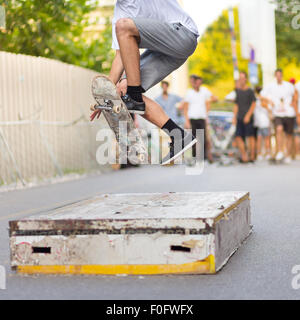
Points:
x=231, y=96
x=169, y=36
x=262, y=123
x=196, y=107
x=283, y=99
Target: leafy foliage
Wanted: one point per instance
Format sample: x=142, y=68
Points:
x=213, y=57
x=56, y=29
x=288, y=37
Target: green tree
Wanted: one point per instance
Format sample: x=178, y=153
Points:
x=213, y=56
x=56, y=29
x=287, y=34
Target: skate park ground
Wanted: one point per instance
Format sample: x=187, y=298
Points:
x=260, y=269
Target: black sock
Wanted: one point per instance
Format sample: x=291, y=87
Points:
x=168, y=128
x=135, y=93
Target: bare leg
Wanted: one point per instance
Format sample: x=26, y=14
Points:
x=267, y=145
x=208, y=147
x=252, y=147
x=279, y=138
x=128, y=38
x=297, y=143
x=289, y=141
x=155, y=113
x=259, y=145
x=242, y=148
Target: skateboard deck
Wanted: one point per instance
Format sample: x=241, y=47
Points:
x=119, y=119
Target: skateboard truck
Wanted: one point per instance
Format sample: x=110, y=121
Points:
x=136, y=154
x=108, y=100
x=108, y=105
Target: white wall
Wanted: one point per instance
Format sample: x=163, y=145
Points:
x=44, y=118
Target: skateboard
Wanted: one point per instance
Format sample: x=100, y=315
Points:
x=130, y=142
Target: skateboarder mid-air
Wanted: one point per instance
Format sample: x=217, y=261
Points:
x=169, y=36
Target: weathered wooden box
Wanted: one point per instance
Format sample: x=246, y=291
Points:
x=133, y=234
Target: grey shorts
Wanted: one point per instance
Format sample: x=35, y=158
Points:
x=168, y=47
x=297, y=129
x=264, y=132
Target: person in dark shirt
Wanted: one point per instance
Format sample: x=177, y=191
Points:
x=244, y=107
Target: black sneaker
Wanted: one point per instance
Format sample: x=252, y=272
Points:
x=134, y=106
x=177, y=148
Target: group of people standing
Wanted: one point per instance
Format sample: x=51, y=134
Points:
x=257, y=113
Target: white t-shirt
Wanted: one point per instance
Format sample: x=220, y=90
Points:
x=161, y=10
x=197, y=102
x=282, y=96
x=231, y=96
x=298, y=89
x=261, y=116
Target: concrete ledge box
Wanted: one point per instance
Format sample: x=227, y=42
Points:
x=169, y=233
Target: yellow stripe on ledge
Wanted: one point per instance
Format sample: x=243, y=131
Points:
x=199, y=267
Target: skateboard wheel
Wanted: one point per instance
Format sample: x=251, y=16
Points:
x=117, y=109
x=141, y=157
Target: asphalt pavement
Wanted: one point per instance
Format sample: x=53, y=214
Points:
x=260, y=269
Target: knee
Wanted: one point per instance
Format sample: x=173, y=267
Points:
x=279, y=129
x=123, y=25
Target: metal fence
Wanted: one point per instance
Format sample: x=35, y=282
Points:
x=44, y=119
